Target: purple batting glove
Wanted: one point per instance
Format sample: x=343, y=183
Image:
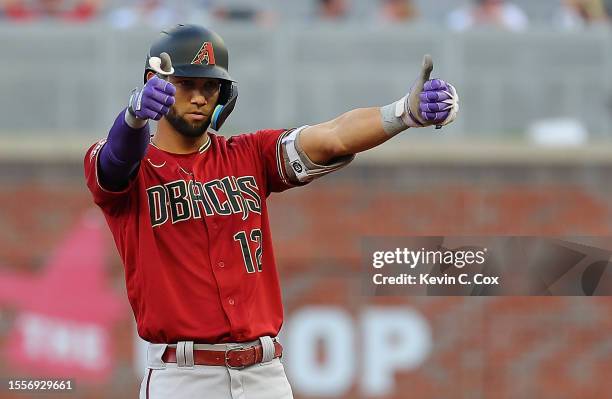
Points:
x=439, y=102
x=153, y=101
x=429, y=102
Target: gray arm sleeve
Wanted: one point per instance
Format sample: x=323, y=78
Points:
x=300, y=169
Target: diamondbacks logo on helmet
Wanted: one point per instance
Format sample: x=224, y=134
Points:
x=206, y=55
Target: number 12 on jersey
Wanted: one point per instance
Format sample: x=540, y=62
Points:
x=249, y=260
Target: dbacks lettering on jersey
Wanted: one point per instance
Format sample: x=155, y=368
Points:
x=182, y=200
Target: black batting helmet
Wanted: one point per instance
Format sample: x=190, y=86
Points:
x=198, y=52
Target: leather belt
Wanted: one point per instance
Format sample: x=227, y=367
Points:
x=236, y=358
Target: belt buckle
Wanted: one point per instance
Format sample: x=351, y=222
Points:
x=227, y=352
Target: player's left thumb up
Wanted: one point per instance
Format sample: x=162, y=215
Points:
x=413, y=99
x=426, y=68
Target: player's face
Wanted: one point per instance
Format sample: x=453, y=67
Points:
x=196, y=99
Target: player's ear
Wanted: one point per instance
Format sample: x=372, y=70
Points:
x=150, y=75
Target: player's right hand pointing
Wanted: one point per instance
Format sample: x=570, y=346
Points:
x=153, y=101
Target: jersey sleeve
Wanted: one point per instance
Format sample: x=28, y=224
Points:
x=269, y=146
x=110, y=201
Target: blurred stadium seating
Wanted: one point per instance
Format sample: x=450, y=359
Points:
x=506, y=81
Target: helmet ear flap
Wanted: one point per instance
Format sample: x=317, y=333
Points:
x=226, y=92
x=227, y=102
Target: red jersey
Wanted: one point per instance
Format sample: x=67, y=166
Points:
x=193, y=233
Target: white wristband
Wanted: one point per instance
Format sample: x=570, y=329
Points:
x=393, y=124
x=133, y=122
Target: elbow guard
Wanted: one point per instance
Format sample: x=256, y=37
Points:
x=299, y=167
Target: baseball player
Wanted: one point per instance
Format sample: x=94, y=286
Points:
x=187, y=209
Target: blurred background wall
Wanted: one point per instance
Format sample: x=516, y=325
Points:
x=530, y=154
